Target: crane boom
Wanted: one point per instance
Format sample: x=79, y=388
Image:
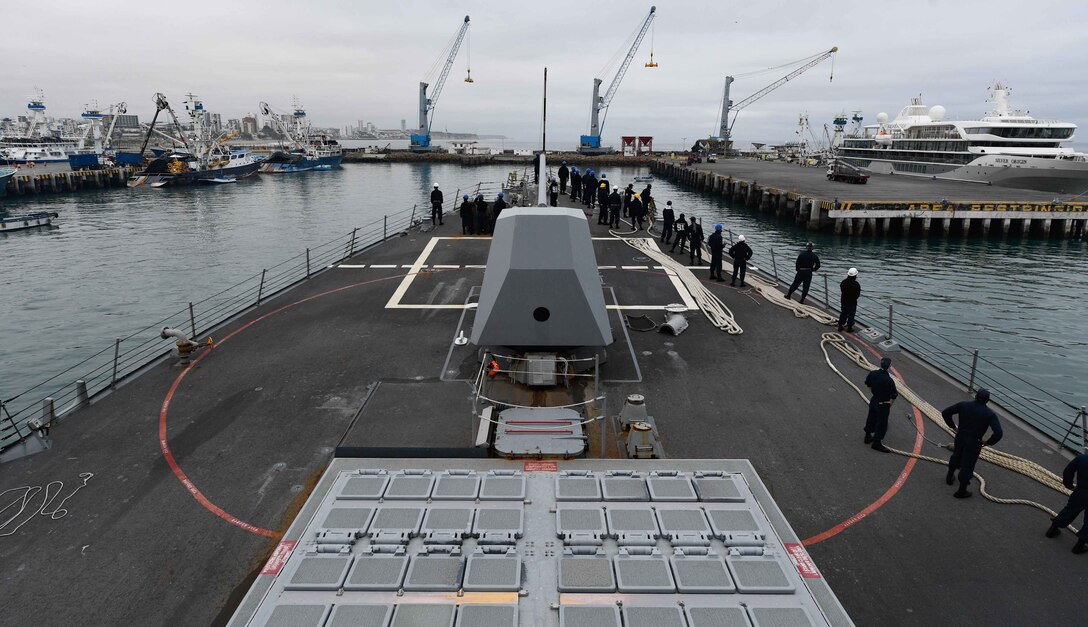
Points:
x=427, y=104
x=726, y=127
x=600, y=103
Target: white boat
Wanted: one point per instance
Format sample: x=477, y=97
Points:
x=1005, y=147
x=28, y=221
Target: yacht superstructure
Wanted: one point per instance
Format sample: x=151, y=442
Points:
x=1005, y=147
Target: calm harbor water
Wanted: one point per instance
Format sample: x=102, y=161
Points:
x=122, y=259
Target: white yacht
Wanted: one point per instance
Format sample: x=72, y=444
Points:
x=1006, y=147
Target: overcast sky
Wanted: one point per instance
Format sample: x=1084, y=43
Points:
x=354, y=60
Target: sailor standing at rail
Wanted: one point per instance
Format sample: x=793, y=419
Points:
x=483, y=221
x=849, y=293
x=1078, y=502
x=637, y=211
x=880, y=404
x=468, y=213
x=716, y=245
x=668, y=218
x=564, y=174
x=741, y=252
x=575, y=182
x=614, y=208
x=681, y=228
x=589, y=190
x=695, y=235
x=553, y=192
x=436, y=205
x=628, y=194
x=807, y=263
x=975, y=419
x=603, y=192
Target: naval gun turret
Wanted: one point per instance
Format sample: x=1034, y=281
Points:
x=542, y=328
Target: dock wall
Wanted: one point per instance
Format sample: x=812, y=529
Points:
x=852, y=217
x=29, y=182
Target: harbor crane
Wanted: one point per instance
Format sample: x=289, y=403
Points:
x=421, y=141
x=591, y=143
x=725, y=129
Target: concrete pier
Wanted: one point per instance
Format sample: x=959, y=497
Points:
x=804, y=195
x=28, y=181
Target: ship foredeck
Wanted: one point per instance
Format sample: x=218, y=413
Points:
x=198, y=471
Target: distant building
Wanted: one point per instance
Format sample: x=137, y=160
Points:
x=249, y=125
x=403, y=125
x=234, y=125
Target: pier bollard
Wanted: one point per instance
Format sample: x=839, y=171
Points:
x=82, y=397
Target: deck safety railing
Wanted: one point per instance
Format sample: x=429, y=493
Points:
x=1052, y=414
x=39, y=406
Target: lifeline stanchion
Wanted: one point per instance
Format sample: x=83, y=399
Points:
x=974, y=366
x=260, y=289
x=307, y=263
x=774, y=265
x=385, y=227
x=116, y=352
x=827, y=297
x=192, y=320
x=890, y=313
x=351, y=249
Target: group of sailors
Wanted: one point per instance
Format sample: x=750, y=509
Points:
x=477, y=215
x=599, y=193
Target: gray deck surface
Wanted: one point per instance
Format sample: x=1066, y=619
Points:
x=812, y=181
x=254, y=423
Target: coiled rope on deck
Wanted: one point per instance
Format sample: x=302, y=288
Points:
x=711, y=306
x=1003, y=459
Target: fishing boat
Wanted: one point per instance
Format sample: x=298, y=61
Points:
x=28, y=221
x=303, y=150
x=200, y=154
x=35, y=142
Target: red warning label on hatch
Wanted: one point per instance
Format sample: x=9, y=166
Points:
x=539, y=466
x=805, y=566
x=279, y=557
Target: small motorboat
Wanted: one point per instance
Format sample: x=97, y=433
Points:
x=644, y=179
x=28, y=221
x=219, y=180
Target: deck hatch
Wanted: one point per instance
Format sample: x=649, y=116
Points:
x=639, y=616
x=435, y=573
x=318, y=572
x=493, y=573
x=458, y=520
x=724, y=488
x=410, y=487
x=706, y=574
x=639, y=573
x=682, y=521
x=360, y=616
x=377, y=572
x=416, y=614
x=779, y=616
x=717, y=617
x=671, y=488
x=632, y=521
x=569, y=487
x=504, y=520
x=297, y=616
x=353, y=518
x=502, y=487
x=589, y=616
x=457, y=486
x=586, y=574
x=487, y=615
x=758, y=574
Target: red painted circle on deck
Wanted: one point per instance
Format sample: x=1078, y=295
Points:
x=891, y=491
x=164, y=444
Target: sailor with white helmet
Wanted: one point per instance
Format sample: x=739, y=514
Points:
x=436, y=205
x=850, y=291
x=741, y=252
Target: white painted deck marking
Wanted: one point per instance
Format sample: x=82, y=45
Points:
x=394, y=300
x=634, y=267
x=383, y=266
x=446, y=266
x=348, y=265
x=689, y=302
